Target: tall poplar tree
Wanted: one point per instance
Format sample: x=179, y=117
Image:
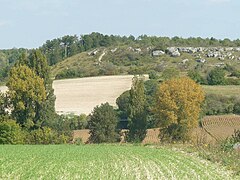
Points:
x=38, y=63
x=138, y=111
x=26, y=92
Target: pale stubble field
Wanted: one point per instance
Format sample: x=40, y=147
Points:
x=83, y=94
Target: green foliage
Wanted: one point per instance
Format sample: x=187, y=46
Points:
x=196, y=76
x=234, y=72
x=59, y=49
x=151, y=87
x=216, y=76
x=170, y=73
x=71, y=73
x=218, y=104
x=37, y=62
x=153, y=75
x=228, y=144
x=46, y=135
x=3, y=104
x=10, y=132
x=75, y=122
x=26, y=93
x=236, y=108
x=103, y=124
x=138, y=111
x=174, y=132
x=78, y=141
x=123, y=104
x=8, y=58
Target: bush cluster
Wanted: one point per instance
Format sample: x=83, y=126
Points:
x=219, y=104
x=12, y=133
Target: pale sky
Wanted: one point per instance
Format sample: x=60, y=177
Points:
x=29, y=23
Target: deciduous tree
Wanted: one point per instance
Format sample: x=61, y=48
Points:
x=103, y=124
x=26, y=93
x=138, y=111
x=2, y=104
x=177, y=108
x=36, y=61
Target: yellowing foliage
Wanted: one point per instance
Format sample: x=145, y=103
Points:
x=26, y=91
x=178, y=103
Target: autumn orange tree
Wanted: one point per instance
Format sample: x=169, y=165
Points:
x=177, y=108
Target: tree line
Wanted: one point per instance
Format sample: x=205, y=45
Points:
x=28, y=112
x=174, y=108
x=28, y=108
x=173, y=105
x=58, y=49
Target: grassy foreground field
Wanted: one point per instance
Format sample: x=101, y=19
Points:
x=104, y=162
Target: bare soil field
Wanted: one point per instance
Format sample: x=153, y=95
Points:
x=151, y=137
x=221, y=127
x=83, y=94
x=214, y=128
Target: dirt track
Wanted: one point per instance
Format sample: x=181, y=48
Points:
x=83, y=94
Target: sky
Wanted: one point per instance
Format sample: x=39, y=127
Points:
x=29, y=23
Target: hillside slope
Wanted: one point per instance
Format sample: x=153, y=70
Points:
x=141, y=60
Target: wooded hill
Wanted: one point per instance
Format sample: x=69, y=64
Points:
x=97, y=54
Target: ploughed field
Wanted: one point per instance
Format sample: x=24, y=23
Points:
x=221, y=127
x=151, y=135
x=104, y=162
x=214, y=128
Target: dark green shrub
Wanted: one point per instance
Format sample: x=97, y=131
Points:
x=219, y=104
x=78, y=141
x=174, y=132
x=11, y=133
x=216, y=76
x=46, y=135
x=228, y=144
x=196, y=76
x=236, y=108
x=103, y=124
x=170, y=73
x=137, y=111
x=153, y=75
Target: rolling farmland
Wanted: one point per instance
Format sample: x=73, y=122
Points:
x=104, y=162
